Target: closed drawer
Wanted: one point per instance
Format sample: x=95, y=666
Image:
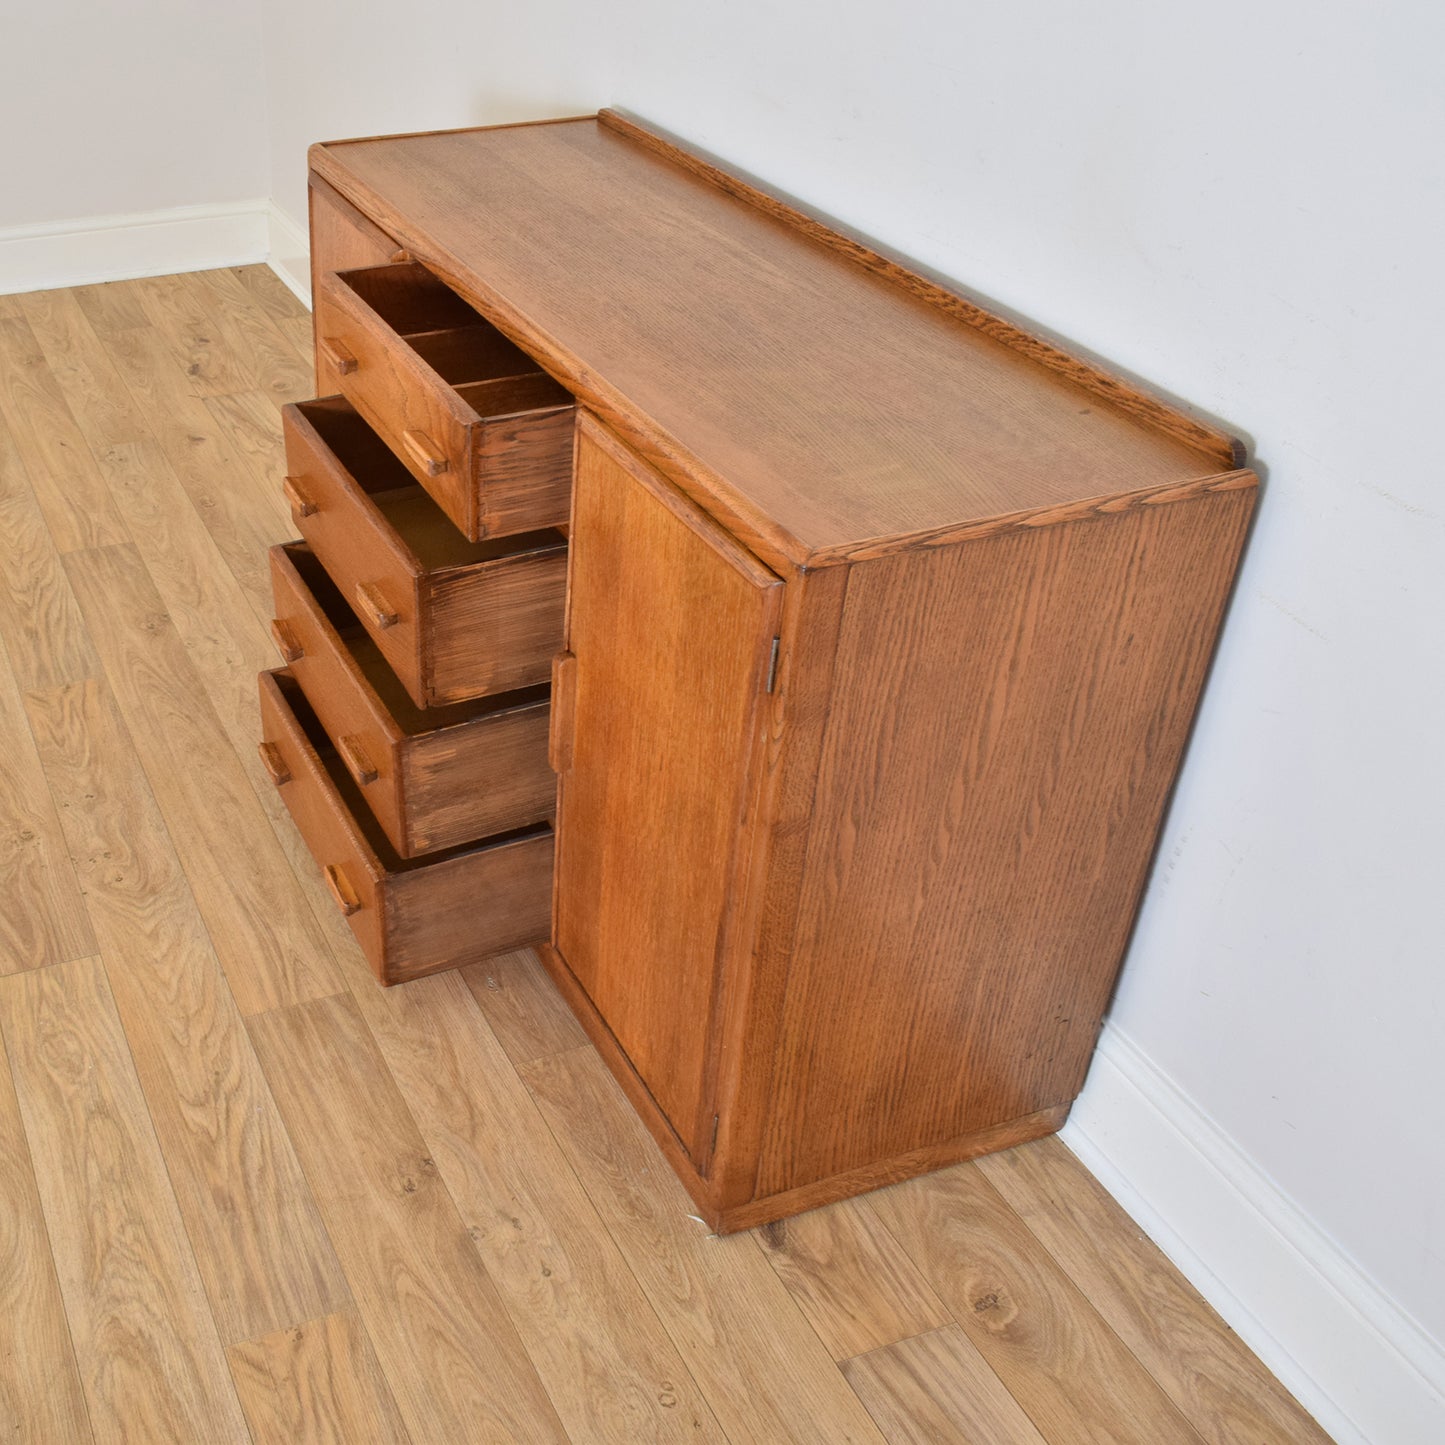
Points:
x=473, y=417
x=455, y=619
x=411, y=916
x=432, y=777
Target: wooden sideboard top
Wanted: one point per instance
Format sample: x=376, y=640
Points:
x=820, y=399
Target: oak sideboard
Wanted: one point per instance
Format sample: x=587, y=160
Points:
x=796, y=652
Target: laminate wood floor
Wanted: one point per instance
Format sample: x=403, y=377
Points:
x=248, y=1195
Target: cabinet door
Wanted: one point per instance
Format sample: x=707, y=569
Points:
x=671, y=624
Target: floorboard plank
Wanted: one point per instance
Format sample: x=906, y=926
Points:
x=145, y=1343
x=263, y=1255
x=612, y=1373
x=935, y=1389
x=453, y=1358
x=851, y=1278
x=94, y=392
x=1069, y=1371
x=522, y=1005
x=1203, y=1366
x=258, y=915
x=280, y=303
x=41, y=1400
x=43, y=920
x=763, y=1370
x=213, y=470
x=111, y=306
x=73, y=497
x=271, y=361
x=40, y=624
x=319, y=1383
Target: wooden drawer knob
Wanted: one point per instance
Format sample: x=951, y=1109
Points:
x=274, y=763
x=338, y=355
x=425, y=453
x=285, y=640
x=341, y=889
x=374, y=607
x=399, y=257
x=357, y=763
x=301, y=504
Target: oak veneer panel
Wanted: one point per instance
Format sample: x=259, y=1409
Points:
x=342, y=239
x=260, y=1248
x=318, y=1382
x=936, y=1389
x=611, y=1371
x=765, y=1373
x=826, y=403
x=852, y=1279
x=145, y=1343
x=1203, y=1366
x=255, y=908
x=522, y=1005
x=1007, y=721
x=41, y=1401
x=411, y=916
x=438, y=777
x=1073, y=1376
x=452, y=1356
x=42, y=917
x=663, y=774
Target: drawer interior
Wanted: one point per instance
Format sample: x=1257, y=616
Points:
x=350, y=792
x=428, y=532
x=450, y=335
x=412, y=719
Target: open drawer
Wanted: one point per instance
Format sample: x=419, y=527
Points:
x=455, y=619
x=432, y=777
x=411, y=916
x=474, y=418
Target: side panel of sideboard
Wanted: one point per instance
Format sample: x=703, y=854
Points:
x=1008, y=717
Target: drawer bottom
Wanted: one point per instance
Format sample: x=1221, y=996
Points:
x=412, y=916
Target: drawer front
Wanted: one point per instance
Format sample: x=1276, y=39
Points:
x=496, y=627
x=363, y=555
x=473, y=418
x=349, y=866
x=364, y=734
x=342, y=239
x=433, y=778
x=411, y=917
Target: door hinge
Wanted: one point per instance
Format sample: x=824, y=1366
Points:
x=773, y=664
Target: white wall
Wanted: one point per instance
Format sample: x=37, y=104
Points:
x=1241, y=203
x=112, y=109
x=133, y=138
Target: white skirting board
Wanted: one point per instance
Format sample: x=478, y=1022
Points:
x=1366, y=1371
x=143, y=243
x=289, y=252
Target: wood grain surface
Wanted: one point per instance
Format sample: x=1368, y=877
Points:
x=1074, y=1377
x=661, y=773
x=590, y=238
x=113, y=1136
x=936, y=1389
x=1224, y=1392
x=456, y=1366
x=259, y=1246
x=146, y=1344
x=51, y=926
x=318, y=1382
x=257, y=913
x=1009, y=715
x=41, y=1401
